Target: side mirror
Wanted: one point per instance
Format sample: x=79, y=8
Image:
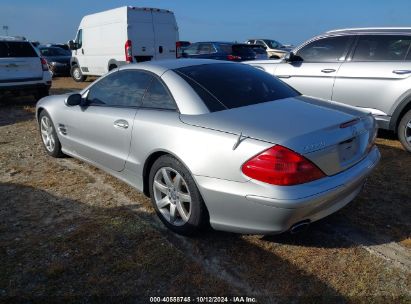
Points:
x=291, y=57
x=72, y=45
x=73, y=100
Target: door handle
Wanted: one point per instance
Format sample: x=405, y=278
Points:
x=121, y=123
x=402, y=72
x=283, y=76
x=82, y=51
x=328, y=70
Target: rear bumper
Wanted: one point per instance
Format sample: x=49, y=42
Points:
x=60, y=68
x=25, y=86
x=259, y=208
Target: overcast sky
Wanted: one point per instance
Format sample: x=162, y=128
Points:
x=286, y=21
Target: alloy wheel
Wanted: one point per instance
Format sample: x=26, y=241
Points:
x=172, y=196
x=407, y=132
x=76, y=73
x=46, y=129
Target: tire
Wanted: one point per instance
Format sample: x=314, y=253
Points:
x=49, y=136
x=194, y=215
x=76, y=74
x=404, y=131
x=41, y=93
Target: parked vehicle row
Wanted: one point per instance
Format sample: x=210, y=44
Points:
x=367, y=68
x=224, y=51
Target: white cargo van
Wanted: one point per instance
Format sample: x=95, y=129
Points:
x=122, y=35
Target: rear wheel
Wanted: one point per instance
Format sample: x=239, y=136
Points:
x=49, y=135
x=175, y=197
x=76, y=74
x=404, y=131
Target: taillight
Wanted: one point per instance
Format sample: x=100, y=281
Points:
x=44, y=64
x=128, y=51
x=232, y=57
x=281, y=166
x=178, y=46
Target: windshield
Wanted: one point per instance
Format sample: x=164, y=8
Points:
x=54, y=51
x=272, y=44
x=226, y=86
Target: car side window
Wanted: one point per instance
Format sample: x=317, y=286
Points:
x=204, y=48
x=381, y=48
x=157, y=97
x=328, y=49
x=120, y=89
x=192, y=49
x=259, y=42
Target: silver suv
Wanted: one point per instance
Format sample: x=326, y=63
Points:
x=368, y=68
x=22, y=70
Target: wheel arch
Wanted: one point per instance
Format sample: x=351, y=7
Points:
x=73, y=61
x=112, y=62
x=149, y=163
x=403, y=107
x=38, y=111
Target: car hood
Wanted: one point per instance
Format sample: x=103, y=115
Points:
x=303, y=124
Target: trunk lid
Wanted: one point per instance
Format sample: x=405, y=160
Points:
x=308, y=126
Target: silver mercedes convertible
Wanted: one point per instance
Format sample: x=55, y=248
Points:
x=216, y=143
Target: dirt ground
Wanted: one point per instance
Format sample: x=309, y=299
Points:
x=69, y=231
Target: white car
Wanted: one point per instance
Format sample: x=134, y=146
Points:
x=22, y=69
x=119, y=36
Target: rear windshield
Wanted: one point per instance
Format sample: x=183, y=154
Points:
x=225, y=86
x=16, y=49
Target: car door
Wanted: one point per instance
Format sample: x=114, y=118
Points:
x=79, y=52
x=101, y=129
x=315, y=71
x=158, y=109
x=166, y=35
x=371, y=76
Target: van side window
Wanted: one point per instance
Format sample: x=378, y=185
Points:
x=328, y=49
x=79, y=39
x=120, y=89
x=381, y=48
x=157, y=97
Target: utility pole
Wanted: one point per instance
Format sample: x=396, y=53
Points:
x=6, y=29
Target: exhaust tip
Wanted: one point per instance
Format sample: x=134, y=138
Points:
x=300, y=226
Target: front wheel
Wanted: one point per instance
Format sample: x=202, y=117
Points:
x=404, y=131
x=76, y=74
x=49, y=135
x=175, y=197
